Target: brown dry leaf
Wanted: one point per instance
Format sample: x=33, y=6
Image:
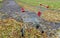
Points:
x=51, y=16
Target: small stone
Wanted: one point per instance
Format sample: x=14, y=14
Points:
x=42, y=31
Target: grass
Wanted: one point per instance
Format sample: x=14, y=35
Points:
x=1, y=0
x=1, y=3
x=54, y=4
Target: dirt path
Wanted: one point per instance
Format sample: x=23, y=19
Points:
x=10, y=7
